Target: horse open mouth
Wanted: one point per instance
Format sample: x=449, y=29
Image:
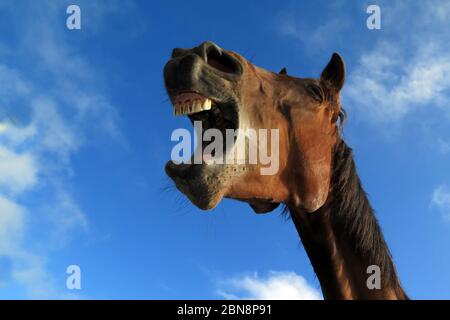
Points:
x=201, y=84
x=212, y=114
x=203, y=176
x=207, y=114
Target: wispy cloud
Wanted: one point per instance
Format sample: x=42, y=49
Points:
x=276, y=286
x=441, y=199
x=387, y=88
x=443, y=145
x=293, y=26
x=397, y=75
x=18, y=171
x=12, y=220
x=45, y=111
x=408, y=69
x=314, y=34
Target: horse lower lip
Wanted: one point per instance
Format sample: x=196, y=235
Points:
x=179, y=170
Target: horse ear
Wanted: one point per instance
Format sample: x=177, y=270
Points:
x=334, y=73
x=283, y=71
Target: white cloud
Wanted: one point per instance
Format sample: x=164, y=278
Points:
x=387, y=88
x=408, y=69
x=11, y=85
x=46, y=110
x=443, y=145
x=66, y=217
x=441, y=199
x=31, y=273
x=405, y=70
x=276, y=286
x=15, y=135
x=28, y=269
x=12, y=220
x=55, y=134
x=312, y=35
x=18, y=172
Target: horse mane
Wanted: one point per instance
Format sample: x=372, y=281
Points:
x=352, y=213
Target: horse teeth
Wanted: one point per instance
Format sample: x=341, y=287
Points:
x=176, y=109
x=191, y=106
x=207, y=104
x=197, y=106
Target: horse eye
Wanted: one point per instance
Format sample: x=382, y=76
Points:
x=316, y=92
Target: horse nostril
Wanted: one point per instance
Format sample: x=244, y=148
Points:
x=217, y=58
x=207, y=53
x=211, y=51
x=205, y=48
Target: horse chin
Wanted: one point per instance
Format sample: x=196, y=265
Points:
x=204, y=185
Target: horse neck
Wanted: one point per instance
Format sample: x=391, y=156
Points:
x=343, y=239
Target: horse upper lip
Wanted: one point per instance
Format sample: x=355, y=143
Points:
x=177, y=170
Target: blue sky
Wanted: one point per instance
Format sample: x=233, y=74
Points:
x=85, y=131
